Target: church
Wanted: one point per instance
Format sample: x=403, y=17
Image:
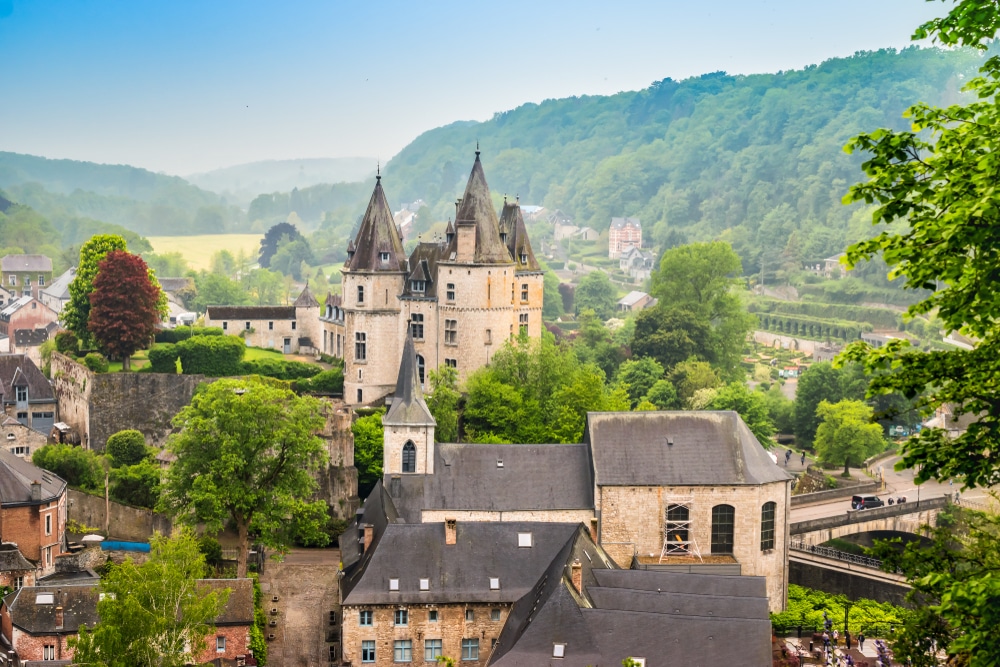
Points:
x=459, y=299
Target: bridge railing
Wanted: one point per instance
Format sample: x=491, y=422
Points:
x=828, y=552
x=858, y=516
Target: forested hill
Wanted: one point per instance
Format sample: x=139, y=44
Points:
x=751, y=159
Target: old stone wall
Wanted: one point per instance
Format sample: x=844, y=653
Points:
x=451, y=628
x=338, y=482
x=127, y=523
x=841, y=582
x=73, y=383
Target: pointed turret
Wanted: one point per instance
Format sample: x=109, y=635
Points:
x=306, y=299
x=515, y=235
x=377, y=247
x=477, y=237
x=408, y=406
x=449, y=233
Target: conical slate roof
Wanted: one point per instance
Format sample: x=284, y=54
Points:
x=378, y=237
x=408, y=406
x=476, y=209
x=306, y=300
x=518, y=244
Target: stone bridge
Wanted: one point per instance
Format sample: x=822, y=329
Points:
x=906, y=517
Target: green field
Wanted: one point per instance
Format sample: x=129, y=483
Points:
x=198, y=250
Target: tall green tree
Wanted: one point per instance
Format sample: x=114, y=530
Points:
x=705, y=279
x=639, y=375
x=369, y=440
x=597, y=293
x=750, y=405
x=154, y=614
x=823, y=382
x=846, y=434
x=246, y=450
x=671, y=335
x=76, y=313
x=443, y=403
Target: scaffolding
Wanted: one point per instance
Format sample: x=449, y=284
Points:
x=677, y=538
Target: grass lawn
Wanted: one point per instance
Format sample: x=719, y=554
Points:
x=198, y=250
x=254, y=353
x=139, y=359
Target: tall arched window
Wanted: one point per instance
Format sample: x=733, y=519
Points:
x=767, y=526
x=409, y=457
x=723, y=520
x=420, y=368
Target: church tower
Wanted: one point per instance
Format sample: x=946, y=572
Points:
x=373, y=280
x=408, y=440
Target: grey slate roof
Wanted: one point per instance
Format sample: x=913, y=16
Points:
x=377, y=512
x=408, y=406
x=79, y=603
x=423, y=266
x=467, y=477
x=239, y=605
x=378, y=234
x=172, y=285
x=30, y=337
x=16, y=477
x=39, y=263
x=460, y=572
x=13, y=306
x=306, y=299
x=518, y=244
x=60, y=286
x=476, y=209
x=709, y=448
x=619, y=223
x=12, y=560
x=251, y=312
x=20, y=370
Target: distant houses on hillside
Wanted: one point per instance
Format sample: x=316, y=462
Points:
x=623, y=234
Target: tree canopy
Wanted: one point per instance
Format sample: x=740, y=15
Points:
x=846, y=433
x=124, y=306
x=76, y=313
x=245, y=452
x=596, y=292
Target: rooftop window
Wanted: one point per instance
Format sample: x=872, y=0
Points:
x=425, y=584
x=394, y=584
x=524, y=539
x=494, y=583
x=558, y=650
x=45, y=598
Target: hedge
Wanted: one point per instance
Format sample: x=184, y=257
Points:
x=183, y=333
x=877, y=317
x=327, y=382
x=163, y=358
x=279, y=369
x=96, y=362
x=815, y=328
x=854, y=290
x=214, y=356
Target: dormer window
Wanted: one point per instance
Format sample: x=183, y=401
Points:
x=524, y=257
x=503, y=236
x=383, y=257
x=418, y=285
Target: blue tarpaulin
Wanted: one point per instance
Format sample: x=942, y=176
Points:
x=125, y=546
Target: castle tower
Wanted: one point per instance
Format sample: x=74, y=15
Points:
x=408, y=444
x=373, y=280
x=307, y=320
x=529, y=283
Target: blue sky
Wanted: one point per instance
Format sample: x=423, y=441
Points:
x=182, y=87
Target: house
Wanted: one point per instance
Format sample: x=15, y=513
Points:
x=564, y=230
x=25, y=393
x=56, y=295
x=16, y=571
x=291, y=329
x=26, y=312
x=29, y=341
x=176, y=291
x=624, y=233
x=634, y=301
x=637, y=263
x=37, y=621
x=460, y=299
x=32, y=510
x=19, y=439
x=26, y=274
x=6, y=296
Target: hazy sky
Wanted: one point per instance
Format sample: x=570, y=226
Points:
x=181, y=87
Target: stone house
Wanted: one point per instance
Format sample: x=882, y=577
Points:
x=26, y=275
x=26, y=394
x=19, y=439
x=637, y=263
x=7, y=295
x=634, y=301
x=291, y=329
x=29, y=341
x=37, y=621
x=56, y=295
x=623, y=234
x=460, y=299
x=33, y=510
x=332, y=323
x=26, y=312
x=16, y=571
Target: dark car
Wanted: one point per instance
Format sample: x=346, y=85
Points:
x=866, y=502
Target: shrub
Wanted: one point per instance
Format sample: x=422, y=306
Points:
x=183, y=333
x=66, y=342
x=280, y=369
x=211, y=549
x=79, y=467
x=163, y=358
x=326, y=382
x=137, y=485
x=126, y=448
x=215, y=356
x=96, y=362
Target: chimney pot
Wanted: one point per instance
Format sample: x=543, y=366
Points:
x=451, y=531
x=577, y=575
x=593, y=529
x=36, y=491
x=369, y=536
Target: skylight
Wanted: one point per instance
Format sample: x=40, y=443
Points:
x=558, y=650
x=394, y=584
x=524, y=539
x=494, y=583
x=45, y=598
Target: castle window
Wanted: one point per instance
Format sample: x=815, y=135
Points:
x=383, y=256
x=524, y=292
x=451, y=363
x=450, y=293
x=418, y=285
x=451, y=332
x=470, y=649
x=368, y=651
x=489, y=336
x=522, y=321
x=494, y=614
x=524, y=257
x=420, y=368
x=401, y=617
x=723, y=520
x=22, y=394
x=360, y=346
x=409, y=457
x=402, y=650
x=361, y=294
x=432, y=650
x=293, y=325
x=767, y=526
x=417, y=327
x=270, y=326
x=246, y=326
x=432, y=616
x=225, y=326
x=470, y=615
x=365, y=617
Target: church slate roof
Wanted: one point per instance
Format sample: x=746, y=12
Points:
x=712, y=448
x=378, y=234
x=16, y=478
x=476, y=209
x=467, y=477
x=518, y=244
x=408, y=406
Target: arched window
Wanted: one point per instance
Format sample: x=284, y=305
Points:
x=409, y=457
x=723, y=520
x=767, y=526
x=420, y=368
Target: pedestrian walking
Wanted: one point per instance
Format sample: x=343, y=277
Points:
x=847, y=639
x=803, y=458
x=836, y=637
x=788, y=455
x=861, y=642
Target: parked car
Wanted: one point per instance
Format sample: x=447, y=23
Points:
x=866, y=502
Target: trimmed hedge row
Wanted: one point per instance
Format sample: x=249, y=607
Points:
x=183, y=333
x=815, y=328
x=853, y=290
x=877, y=317
x=326, y=382
x=221, y=356
x=280, y=369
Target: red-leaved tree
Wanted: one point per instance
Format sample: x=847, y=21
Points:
x=124, y=306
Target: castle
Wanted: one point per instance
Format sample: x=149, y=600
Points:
x=459, y=299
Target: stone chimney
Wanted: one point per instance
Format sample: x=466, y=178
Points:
x=577, y=575
x=593, y=529
x=369, y=536
x=36, y=491
x=59, y=618
x=450, y=531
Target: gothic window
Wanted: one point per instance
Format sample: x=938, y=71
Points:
x=451, y=332
x=409, y=457
x=420, y=368
x=723, y=520
x=767, y=526
x=417, y=326
x=360, y=346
